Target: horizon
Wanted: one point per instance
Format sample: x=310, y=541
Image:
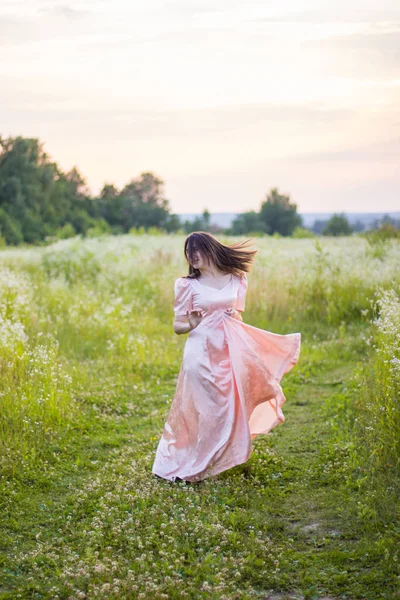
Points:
x=314, y=212
x=309, y=219
x=174, y=87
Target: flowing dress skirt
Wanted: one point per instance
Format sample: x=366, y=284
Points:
x=228, y=391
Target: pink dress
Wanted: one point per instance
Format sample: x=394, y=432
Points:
x=227, y=390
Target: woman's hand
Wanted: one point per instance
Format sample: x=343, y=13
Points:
x=232, y=312
x=194, y=318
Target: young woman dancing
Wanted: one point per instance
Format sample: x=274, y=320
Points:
x=228, y=388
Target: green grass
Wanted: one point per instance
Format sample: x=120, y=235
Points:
x=289, y=524
x=82, y=514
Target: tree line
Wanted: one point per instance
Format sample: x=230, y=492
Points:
x=38, y=201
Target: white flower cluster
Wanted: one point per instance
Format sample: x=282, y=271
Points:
x=388, y=324
x=11, y=334
x=16, y=298
x=16, y=292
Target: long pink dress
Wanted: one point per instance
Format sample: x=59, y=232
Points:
x=227, y=390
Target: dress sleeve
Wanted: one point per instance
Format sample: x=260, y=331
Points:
x=241, y=295
x=183, y=296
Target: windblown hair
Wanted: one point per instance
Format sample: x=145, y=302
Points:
x=235, y=258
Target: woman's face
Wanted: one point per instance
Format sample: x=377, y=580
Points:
x=198, y=261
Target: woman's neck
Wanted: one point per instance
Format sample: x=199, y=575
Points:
x=212, y=273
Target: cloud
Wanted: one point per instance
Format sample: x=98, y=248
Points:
x=64, y=11
x=14, y=30
x=386, y=44
x=380, y=151
x=42, y=25
x=176, y=123
x=349, y=14
x=193, y=7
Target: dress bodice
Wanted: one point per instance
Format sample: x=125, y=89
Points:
x=190, y=294
x=211, y=299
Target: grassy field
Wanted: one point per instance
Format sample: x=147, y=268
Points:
x=88, y=363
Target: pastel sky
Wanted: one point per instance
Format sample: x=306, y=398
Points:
x=222, y=99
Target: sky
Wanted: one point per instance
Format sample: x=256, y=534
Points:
x=222, y=99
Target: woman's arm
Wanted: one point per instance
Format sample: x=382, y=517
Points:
x=181, y=325
x=185, y=323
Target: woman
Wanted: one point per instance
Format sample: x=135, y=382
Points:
x=228, y=389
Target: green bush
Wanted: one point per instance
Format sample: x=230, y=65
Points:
x=302, y=232
x=65, y=232
x=100, y=228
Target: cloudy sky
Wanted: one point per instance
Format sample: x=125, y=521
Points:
x=222, y=99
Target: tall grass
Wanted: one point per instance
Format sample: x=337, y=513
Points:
x=110, y=300
x=36, y=383
x=377, y=410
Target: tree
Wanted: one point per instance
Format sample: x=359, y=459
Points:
x=110, y=205
x=358, y=226
x=34, y=228
x=26, y=177
x=143, y=203
x=338, y=224
x=386, y=220
x=279, y=214
x=247, y=222
x=319, y=225
x=206, y=219
x=36, y=194
x=196, y=225
x=172, y=223
x=202, y=223
x=38, y=200
x=9, y=229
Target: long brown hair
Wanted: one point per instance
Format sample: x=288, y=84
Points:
x=234, y=258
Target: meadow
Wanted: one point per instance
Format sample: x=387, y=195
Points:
x=88, y=363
